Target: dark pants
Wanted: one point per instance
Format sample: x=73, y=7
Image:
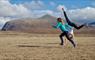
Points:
x=68, y=36
x=71, y=23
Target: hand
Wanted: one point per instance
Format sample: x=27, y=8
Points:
x=53, y=26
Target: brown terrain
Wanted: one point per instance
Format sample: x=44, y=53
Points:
x=28, y=46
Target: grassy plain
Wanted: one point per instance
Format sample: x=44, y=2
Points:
x=27, y=46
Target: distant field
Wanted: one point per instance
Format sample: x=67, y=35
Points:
x=25, y=46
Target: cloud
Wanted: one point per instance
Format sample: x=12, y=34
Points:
x=49, y=12
x=34, y=4
x=83, y=14
x=8, y=9
x=59, y=7
x=40, y=13
x=36, y=8
x=30, y=9
x=21, y=11
x=5, y=8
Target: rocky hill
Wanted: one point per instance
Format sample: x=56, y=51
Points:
x=39, y=25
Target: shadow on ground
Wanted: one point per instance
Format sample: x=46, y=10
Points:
x=39, y=46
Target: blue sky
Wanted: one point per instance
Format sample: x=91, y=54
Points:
x=31, y=8
x=25, y=8
x=38, y=7
x=70, y=4
x=49, y=6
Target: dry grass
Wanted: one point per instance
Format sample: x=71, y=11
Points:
x=23, y=46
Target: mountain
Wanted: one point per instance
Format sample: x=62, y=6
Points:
x=39, y=25
x=47, y=16
x=92, y=24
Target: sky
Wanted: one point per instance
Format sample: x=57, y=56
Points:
x=76, y=9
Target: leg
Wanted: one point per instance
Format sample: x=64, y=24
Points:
x=70, y=23
x=75, y=26
x=62, y=34
x=70, y=38
x=65, y=41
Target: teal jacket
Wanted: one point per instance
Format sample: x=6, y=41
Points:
x=68, y=27
x=61, y=26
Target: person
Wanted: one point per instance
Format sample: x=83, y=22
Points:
x=71, y=23
x=65, y=32
x=70, y=30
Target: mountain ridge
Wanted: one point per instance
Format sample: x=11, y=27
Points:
x=39, y=25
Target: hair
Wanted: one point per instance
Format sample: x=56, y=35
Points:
x=60, y=20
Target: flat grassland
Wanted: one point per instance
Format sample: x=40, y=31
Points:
x=26, y=46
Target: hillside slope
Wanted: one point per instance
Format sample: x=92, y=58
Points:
x=40, y=25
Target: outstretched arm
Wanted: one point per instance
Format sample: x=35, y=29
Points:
x=57, y=26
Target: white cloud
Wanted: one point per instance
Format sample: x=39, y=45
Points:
x=34, y=5
x=8, y=9
x=35, y=8
x=12, y=10
x=84, y=13
x=59, y=7
x=39, y=13
x=5, y=8
x=49, y=12
x=40, y=3
x=21, y=11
